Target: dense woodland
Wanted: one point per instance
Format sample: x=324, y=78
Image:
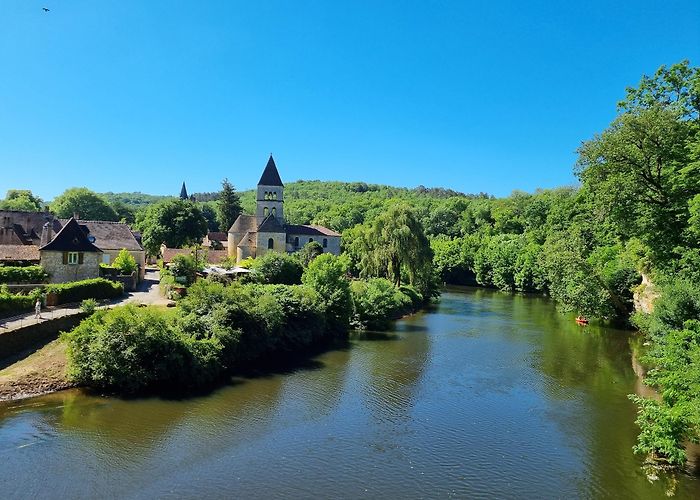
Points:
x=635, y=213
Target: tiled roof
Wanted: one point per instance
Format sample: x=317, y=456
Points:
x=270, y=225
x=244, y=223
x=247, y=240
x=270, y=176
x=111, y=235
x=217, y=236
x=213, y=256
x=71, y=238
x=19, y=252
x=216, y=256
x=170, y=253
x=311, y=230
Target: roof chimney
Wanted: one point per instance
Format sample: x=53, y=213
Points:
x=76, y=215
x=46, y=234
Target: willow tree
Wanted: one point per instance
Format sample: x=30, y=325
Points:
x=394, y=243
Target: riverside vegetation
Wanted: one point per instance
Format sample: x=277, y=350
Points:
x=635, y=213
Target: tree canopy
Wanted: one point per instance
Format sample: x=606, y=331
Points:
x=228, y=206
x=21, y=199
x=87, y=204
x=177, y=223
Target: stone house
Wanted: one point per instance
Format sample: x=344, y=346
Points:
x=111, y=238
x=70, y=255
x=267, y=231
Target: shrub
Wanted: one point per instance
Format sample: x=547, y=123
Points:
x=88, y=306
x=96, y=288
x=377, y=302
x=277, y=268
x=125, y=262
x=11, y=304
x=326, y=274
x=29, y=274
x=185, y=266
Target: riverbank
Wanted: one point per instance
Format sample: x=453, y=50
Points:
x=42, y=372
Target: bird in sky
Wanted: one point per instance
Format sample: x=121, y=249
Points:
x=45, y=9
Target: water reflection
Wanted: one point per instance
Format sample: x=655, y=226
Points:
x=485, y=395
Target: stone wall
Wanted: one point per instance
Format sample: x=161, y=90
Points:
x=280, y=243
x=333, y=242
x=35, y=335
x=64, y=273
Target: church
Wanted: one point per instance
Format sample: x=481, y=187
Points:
x=267, y=231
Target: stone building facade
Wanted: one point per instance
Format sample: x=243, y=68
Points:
x=70, y=255
x=267, y=230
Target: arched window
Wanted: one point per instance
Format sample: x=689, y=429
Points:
x=270, y=244
x=266, y=211
x=311, y=240
x=296, y=241
x=274, y=195
x=325, y=242
x=274, y=211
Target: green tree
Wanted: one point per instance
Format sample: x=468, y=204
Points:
x=278, y=268
x=125, y=262
x=228, y=206
x=395, y=243
x=326, y=274
x=177, y=223
x=309, y=252
x=87, y=204
x=21, y=199
x=209, y=213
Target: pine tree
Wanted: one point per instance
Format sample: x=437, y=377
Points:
x=228, y=206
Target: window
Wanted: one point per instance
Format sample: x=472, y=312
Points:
x=270, y=244
x=72, y=257
x=274, y=211
x=325, y=242
x=296, y=241
x=311, y=240
x=266, y=211
x=274, y=195
x=105, y=258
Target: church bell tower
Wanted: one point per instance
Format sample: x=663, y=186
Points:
x=270, y=193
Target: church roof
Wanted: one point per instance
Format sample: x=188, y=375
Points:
x=183, y=192
x=311, y=230
x=244, y=223
x=246, y=241
x=270, y=225
x=71, y=238
x=270, y=176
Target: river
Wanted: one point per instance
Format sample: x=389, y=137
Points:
x=485, y=395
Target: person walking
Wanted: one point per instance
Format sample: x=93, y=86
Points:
x=37, y=309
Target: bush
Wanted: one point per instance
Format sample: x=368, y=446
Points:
x=185, y=266
x=96, y=288
x=11, y=304
x=277, y=268
x=88, y=306
x=125, y=262
x=377, y=302
x=326, y=274
x=29, y=274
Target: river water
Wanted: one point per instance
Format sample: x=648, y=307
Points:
x=486, y=395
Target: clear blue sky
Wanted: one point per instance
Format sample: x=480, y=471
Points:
x=476, y=96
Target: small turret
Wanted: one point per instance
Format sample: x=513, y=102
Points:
x=183, y=192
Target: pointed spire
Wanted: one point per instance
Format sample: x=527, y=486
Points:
x=270, y=176
x=183, y=192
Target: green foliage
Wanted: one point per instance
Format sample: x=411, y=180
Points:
x=326, y=274
x=228, y=206
x=277, y=268
x=395, y=243
x=28, y=274
x=309, y=252
x=125, y=262
x=177, y=223
x=88, y=306
x=186, y=266
x=376, y=302
x=209, y=212
x=87, y=204
x=96, y=288
x=21, y=199
x=11, y=304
